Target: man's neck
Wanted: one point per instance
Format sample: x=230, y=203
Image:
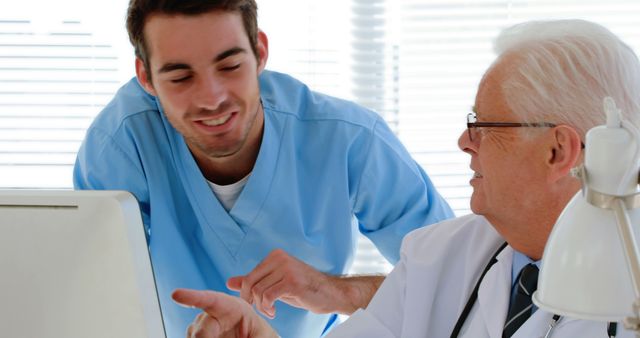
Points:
x=230, y=170
x=526, y=235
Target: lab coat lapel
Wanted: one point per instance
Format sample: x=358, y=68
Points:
x=494, y=293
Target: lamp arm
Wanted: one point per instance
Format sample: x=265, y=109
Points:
x=615, y=121
x=635, y=133
x=627, y=236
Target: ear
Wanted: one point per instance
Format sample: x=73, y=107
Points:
x=565, y=151
x=143, y=78
x=263, y=50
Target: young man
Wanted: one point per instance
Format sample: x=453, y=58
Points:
x=532, y=110
x=238, y=170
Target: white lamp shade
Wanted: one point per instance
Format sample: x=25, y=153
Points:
x=584, y=271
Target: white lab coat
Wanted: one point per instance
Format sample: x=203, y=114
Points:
x=427, y=290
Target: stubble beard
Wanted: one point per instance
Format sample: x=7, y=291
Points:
x=217, y=153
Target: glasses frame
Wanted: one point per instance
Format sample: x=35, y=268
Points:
x=472, y=124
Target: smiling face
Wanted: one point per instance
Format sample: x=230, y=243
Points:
x=203, y=71
x=509, y=180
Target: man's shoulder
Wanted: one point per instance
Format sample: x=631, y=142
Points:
x=130, y=100
x=284, y=94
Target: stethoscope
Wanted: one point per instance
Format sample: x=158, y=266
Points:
x=612, y=328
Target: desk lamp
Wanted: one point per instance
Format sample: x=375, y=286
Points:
x=591, y=263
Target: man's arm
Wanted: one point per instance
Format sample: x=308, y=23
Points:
x=283, y=277
x=393, y=195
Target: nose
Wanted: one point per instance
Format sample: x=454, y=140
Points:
x=211, y=93
x=465, y=144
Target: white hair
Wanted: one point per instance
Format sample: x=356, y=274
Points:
x=563, y=70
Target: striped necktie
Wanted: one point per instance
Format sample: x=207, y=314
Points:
x=520, y=309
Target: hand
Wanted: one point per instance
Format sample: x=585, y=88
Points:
x=224, y=316
x=285, y=278
x=280, y=276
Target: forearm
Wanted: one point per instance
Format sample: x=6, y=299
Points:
x=353, y=292
x=285, y=278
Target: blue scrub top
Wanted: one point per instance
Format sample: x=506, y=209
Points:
x=326, y=169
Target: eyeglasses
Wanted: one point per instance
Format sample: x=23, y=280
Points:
x=472, y=125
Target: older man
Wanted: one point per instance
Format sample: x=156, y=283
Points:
x=473, y=276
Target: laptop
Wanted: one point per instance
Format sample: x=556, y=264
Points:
x=75, y=264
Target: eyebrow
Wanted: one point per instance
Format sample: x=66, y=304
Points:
x=229, y=52
x=171, y=66
x=168, y=67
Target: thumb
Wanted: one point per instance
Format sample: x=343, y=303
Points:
x=235, y=283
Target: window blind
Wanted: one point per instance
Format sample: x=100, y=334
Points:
x=57, y=70
x=51, y=86
x=309, y=40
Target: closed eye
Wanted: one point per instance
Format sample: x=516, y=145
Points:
x=181, y=79
x=230, y=68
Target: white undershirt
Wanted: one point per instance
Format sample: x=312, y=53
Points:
x=228, y=194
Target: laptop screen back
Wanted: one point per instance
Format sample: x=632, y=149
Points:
x=75, y=264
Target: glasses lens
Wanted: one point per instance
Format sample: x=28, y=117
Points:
x=471, y=118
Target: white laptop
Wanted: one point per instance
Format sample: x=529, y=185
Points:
x=75, y=264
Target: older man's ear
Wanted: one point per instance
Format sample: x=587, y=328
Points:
x=564, y=153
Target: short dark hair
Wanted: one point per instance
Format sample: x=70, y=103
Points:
x=140, y=10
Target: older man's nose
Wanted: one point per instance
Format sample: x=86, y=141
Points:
x=465, y=144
